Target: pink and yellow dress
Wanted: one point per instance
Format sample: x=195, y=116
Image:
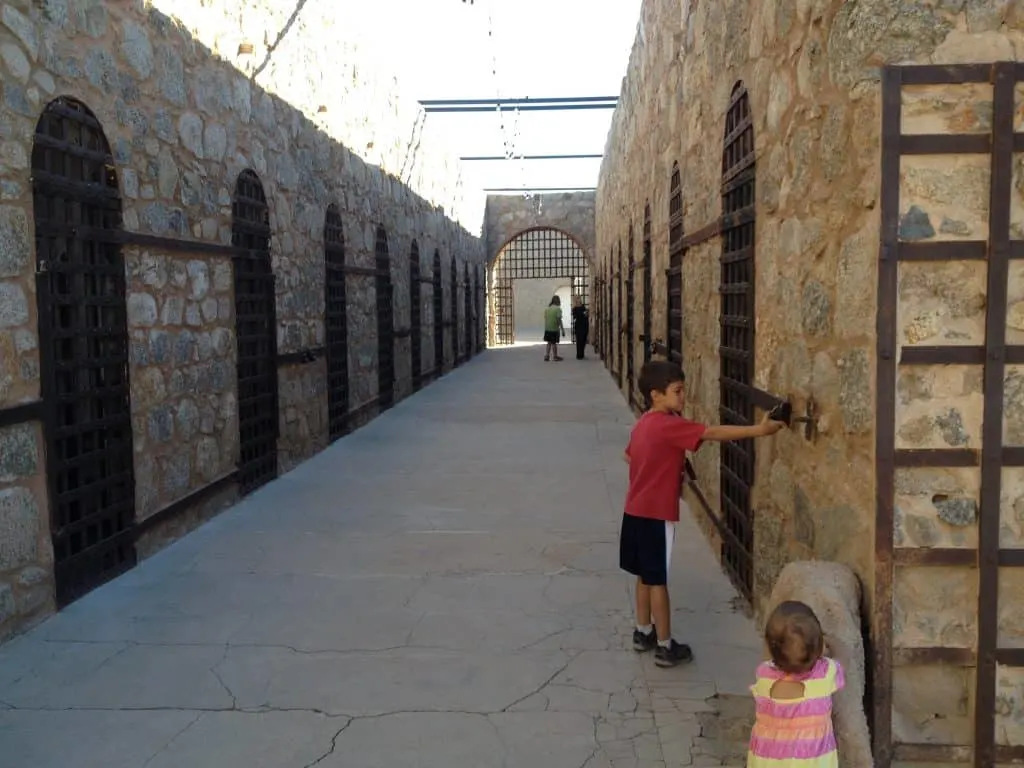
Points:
x=795, y=733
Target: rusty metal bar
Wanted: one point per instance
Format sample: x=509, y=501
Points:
x=936, y=457
x=992, y=425
x=946, y=144
x=21, y=413
x=934, y=557
x=885, y=420
x=947, y=250
x=932, y=753
x=946, y=74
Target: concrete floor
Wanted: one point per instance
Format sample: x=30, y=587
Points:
x=439, y=589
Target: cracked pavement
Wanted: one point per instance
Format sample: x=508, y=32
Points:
x=438, y=589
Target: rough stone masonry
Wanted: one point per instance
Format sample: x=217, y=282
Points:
x=811, y=70
x=189, y=94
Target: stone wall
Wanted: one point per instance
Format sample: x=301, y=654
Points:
x=812, y=73
x=190, y=94
x=569, y=212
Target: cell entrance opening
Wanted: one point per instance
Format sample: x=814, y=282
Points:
x=531, y=268
x=416, y=317
x=336, y=324
x=83, y=346
x=385, y=323
x=736, y=350
x=256, y=335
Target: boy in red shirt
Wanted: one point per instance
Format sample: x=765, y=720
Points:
x=655, y=454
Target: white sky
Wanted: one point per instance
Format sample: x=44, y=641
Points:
x=543, y=48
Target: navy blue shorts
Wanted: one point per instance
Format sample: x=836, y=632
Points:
x=645, y=549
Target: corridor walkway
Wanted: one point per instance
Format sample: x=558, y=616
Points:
x=438, y=590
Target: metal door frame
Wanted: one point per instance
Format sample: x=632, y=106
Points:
x=336, y=323
x=453, y=305
x=467, y=310
x=737, y=346
x=81, y=300
x=1001, y=144
x=255, y=282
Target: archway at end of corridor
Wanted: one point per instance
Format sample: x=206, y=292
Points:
x=528, y=270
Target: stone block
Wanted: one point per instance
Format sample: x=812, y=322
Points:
x=19, y=453
x=19, y=528
x=834, y=594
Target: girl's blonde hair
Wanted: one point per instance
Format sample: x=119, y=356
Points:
x=794, y=637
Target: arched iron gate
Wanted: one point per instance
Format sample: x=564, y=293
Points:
x=415, y=317
x=630, y=320
x=336, y=324
x=675, y=268
x=385, y=322
x=736, y=350
x=83, y=349
x=648, y=298
x=256, y=335
x=536, y=254
x=437, y=300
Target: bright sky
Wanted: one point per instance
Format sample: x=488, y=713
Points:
x=539, y=48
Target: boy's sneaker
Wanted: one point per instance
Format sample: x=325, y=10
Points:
x=673, y=655
x=642, y=642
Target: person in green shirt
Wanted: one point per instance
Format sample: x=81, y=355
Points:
x=553, y=328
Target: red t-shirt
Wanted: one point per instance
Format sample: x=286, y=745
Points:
x=657, y=449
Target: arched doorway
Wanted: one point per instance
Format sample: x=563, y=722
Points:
x=336, y=324
x=385, y=323
x=467, y=311
x=736, y=350
x=83, y=350
x=416, y=316
x=526, y=273
x=255, y=335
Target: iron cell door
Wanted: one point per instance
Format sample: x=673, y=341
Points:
x=506, y=319
x=736, y=350
x=83, y=347
x=438, y=305
x=385, y=323
x=416, y=317
x=947, y=596
x=336, y=324
x=630, y=307
x=619, y=317
x=648, y=299
x=467, y=311
x=479, y=293
x=453, y=301
x=674, y=274
x=538, y=254
x=256, y=335
x=609, y=344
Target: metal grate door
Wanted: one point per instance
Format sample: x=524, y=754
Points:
x=336, y=324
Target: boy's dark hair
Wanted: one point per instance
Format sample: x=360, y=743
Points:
x=795, y=638
x=656, y=376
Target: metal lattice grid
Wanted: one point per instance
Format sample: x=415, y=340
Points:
x=480, y=297
x=648, y=298
x=620, y=358
x=256, y=335
x=533, y=254
x=438, y=306
x=336, y=324
x=385, y=322
x=675, y=268
x=453, y=302
x=83, y=345
x=609, y=344
x=416, y=316
x=467, y=300
x=630, y=320
x=737, y=335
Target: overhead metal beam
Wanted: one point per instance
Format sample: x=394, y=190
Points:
x=495, y=102
x=540, y=189
x=525, y=108
x=531, y=157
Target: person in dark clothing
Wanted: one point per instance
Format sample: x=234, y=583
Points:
x=580, y=325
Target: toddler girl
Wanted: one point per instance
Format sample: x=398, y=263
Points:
x=793, y=694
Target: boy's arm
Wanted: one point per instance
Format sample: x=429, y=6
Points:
x=726, y=432
x=625, y=457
